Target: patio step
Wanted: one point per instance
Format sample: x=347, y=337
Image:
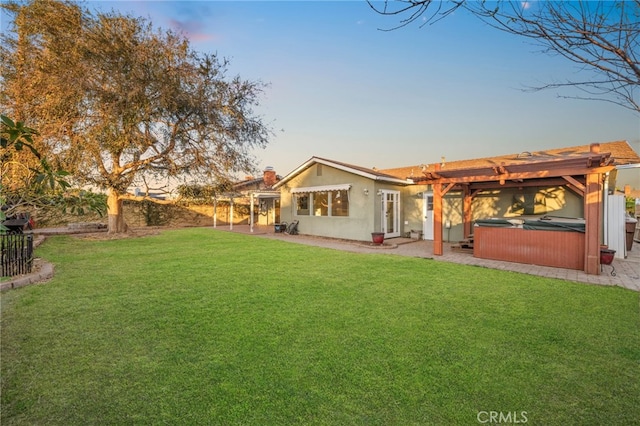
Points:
x=465, y=245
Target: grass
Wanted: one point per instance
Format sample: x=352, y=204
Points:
x=199, y=326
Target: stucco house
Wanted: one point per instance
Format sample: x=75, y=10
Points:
x=339, y=200
x=444, y=200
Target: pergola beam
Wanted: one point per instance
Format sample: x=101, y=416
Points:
x=488, y=177
x=467, y=199
x=479, y=186
x=580, y=188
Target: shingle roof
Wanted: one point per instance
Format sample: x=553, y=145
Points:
x=257, y=183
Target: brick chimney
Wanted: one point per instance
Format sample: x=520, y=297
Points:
x=269, y=176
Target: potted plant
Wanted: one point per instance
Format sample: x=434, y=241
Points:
x=377, y=237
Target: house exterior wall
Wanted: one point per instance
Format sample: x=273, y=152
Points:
x=267, y=211
x=405, y=205
x=514, y=202
x=509, y=202
x=412, y=207
x=365, y=213
x=357, y=226
x=452, y=216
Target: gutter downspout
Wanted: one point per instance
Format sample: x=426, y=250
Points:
x=605, y=218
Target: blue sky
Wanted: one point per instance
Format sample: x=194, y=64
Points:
x=342, y=89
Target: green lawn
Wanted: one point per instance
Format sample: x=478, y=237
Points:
x=199, y=326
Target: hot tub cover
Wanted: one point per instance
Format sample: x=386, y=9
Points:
x=544, y=223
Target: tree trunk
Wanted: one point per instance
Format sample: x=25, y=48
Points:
x=117, y=224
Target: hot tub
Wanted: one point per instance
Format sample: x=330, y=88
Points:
x=545, y=241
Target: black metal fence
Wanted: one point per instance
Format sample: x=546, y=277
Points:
x=16, y=255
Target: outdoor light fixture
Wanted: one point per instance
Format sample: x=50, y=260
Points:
x=379, y=192
x=366, y=191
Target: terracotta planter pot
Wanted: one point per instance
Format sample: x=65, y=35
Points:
x=606, y=256
x=377, y=237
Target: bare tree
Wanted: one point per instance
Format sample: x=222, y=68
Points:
x=601, y=37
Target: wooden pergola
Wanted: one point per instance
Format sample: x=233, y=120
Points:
x=582, y=173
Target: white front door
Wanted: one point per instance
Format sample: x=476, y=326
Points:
x=427, y=214
x=391, y=213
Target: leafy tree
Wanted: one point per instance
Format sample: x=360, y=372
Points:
x=121, y=104
x=16, y=136
x=601, y=37
x=28, y=181
x=201, y=194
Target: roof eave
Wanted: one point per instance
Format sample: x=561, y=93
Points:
x=317, y=160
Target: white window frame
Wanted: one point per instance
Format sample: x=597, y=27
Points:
x=311, y=191
x=295, y=203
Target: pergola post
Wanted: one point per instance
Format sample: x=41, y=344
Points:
x=466, y=210
x=437, y=219
x=592, y=208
